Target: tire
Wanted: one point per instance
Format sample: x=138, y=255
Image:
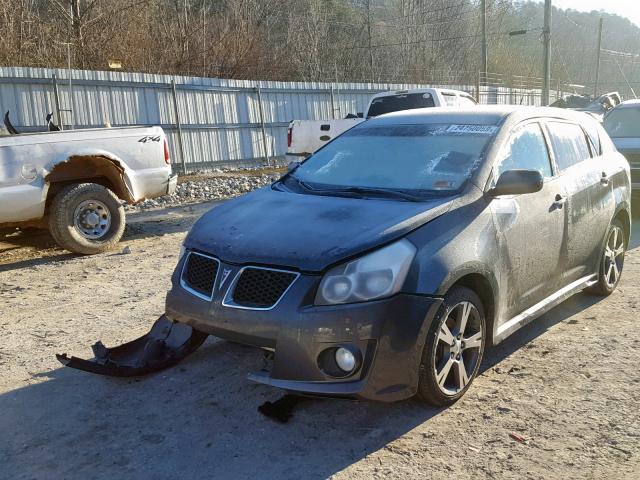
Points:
x=448, y=351
x=86, y=218
x=615, y=244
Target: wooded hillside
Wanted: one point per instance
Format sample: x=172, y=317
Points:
x=331, y=40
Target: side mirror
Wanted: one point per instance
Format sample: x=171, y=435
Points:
x=292, y=166
x=516, y=182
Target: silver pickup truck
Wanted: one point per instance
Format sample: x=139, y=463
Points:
x=74, y=182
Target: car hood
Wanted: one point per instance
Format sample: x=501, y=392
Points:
x=306, y=232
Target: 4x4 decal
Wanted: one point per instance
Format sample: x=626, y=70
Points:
x=148, y=138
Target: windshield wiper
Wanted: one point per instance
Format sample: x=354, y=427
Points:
x=358, y=192
x=383, y=192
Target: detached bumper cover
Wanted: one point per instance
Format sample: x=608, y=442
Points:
x=165, y=345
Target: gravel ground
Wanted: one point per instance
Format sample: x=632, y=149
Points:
x=557, y=400
x=214, y=186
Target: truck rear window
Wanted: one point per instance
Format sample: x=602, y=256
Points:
x=396, y=103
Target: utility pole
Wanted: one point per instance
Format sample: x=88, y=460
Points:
x=546, y=36
x=369, y=38
x=595, y=85
x=484, y=61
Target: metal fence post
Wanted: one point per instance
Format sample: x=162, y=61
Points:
x=262, y=126
x=178, y=126
x=56, y=97
x=333, y=103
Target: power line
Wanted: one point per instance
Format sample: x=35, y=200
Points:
x=620, y=54
x=442, y=39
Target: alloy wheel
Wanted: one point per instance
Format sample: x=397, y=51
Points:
x=614, y=256
x=459, y=348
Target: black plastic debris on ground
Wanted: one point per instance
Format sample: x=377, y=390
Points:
x=281, y=410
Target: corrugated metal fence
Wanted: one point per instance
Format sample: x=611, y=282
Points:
x=210, y=122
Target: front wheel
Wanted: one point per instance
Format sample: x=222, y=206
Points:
x=611, y=262
x=453, y=349
x=86, y=218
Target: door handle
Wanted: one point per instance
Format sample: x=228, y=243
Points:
x=604, y=180
x=559, y=201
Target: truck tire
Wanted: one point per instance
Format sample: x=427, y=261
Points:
x=86, y=218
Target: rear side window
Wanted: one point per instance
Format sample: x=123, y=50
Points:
x=526, y=150
x=396, y=103
x=569, y=144
x=450, y=99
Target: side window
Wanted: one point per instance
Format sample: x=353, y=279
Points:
x=526, y=150
x=450, y=99
x=569, y=144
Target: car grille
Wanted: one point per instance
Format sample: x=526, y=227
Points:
x=199, y=274
x=260, y=288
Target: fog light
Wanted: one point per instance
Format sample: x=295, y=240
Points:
x=345, y=359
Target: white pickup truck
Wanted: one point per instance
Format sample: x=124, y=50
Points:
x=74, y=181
x=306, y=136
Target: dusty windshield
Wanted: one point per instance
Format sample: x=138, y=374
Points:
x=436, y=158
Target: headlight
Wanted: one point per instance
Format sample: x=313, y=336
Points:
x=182, y=252
x=376, y=275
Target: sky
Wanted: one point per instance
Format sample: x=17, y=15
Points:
x=625, y=8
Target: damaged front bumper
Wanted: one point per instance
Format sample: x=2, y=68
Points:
x=165, y=345
x=388, y=336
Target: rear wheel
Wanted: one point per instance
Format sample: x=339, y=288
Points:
x=86, y=218
x=612, y=260
x=453, y=349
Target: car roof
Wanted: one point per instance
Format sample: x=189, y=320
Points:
x=635, y=103
x=479, y=115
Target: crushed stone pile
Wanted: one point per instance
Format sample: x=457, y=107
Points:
x=218, y=185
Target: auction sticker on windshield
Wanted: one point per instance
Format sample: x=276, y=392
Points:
x=472, y=129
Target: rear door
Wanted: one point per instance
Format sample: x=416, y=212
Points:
x=532, y=225
x=586, y=197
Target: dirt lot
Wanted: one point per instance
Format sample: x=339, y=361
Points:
x=568, y=384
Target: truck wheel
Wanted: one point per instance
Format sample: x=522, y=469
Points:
x=86, y=218
x=453, y=349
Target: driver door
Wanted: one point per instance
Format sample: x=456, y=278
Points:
x=531, y=227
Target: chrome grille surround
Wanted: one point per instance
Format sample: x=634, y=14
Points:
x=229, y=301
x=184, y=282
